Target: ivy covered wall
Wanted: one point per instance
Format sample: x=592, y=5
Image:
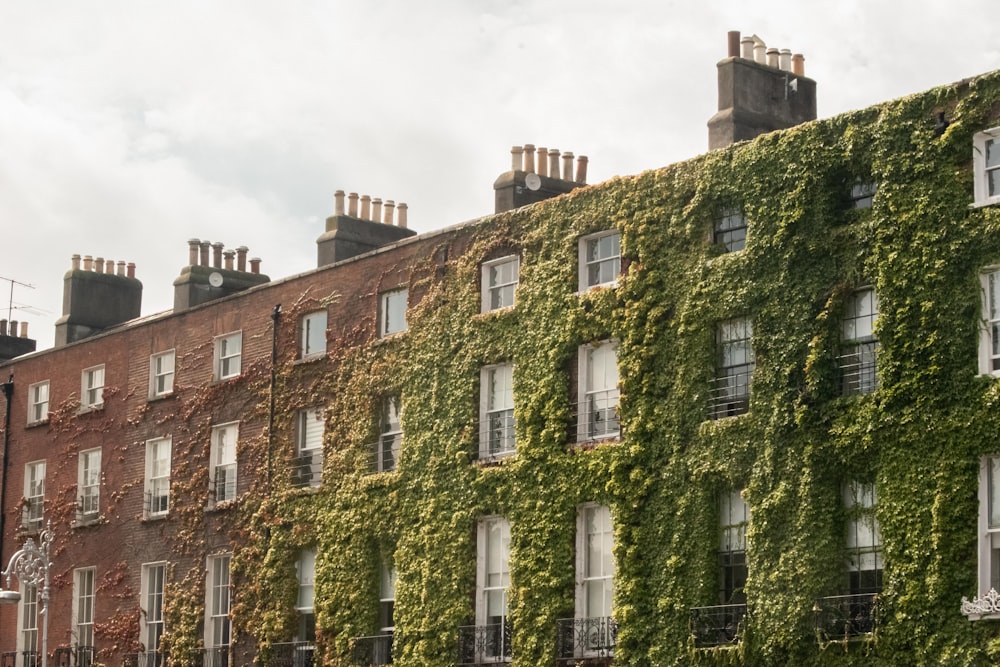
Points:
x=918, y=438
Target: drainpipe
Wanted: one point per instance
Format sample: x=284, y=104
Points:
x=275, y=319
x=8, y=392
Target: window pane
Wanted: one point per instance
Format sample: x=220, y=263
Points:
x=994, y=491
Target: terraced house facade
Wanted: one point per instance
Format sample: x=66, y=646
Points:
x=735, y=410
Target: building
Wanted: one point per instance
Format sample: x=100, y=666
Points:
x=740, y=409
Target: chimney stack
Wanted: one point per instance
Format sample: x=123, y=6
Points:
x=96, y=298
x=12, y=343
x=352, y=234
x=203, y=280
x=525, y=184
x=761, y=89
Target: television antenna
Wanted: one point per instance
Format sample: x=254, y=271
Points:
x=10, y=303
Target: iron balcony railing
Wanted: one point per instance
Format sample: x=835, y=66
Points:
x=289, y=654
x=596, y=417
x=307, y=468
x=586, y=637
x=217, y=656
x=145, y=659
x=74, y=656
x=846, y=616
x=484, y=644
x=19, y=659
x=857, y=369
x=497, y=433
x=157, y=502
x=729, y=394
x=717, y=625
x=384, y=452
x=372, y=651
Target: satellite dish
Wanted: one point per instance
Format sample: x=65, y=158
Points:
x=533, y=181
x=215, y=279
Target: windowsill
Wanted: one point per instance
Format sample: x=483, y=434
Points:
x=40, y=422
x=592, y=443
x=221, y=506
x=228, y=378
x=597, y=288
x=85, y=409
x=89, y=522
x=312, y=358
x=487, y=460
x=986, y=202
x=150, y=518
x=160, y=397
x=497, y=311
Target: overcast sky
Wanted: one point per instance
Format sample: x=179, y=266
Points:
x=128, y=127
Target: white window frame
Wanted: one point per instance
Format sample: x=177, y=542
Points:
x=89, y=485
x=392, y=317
x=161, y=373
x=736, y=362
x=989, y=321
x=310, y=429
x=598, y=395
x=151, y=596
x=157, y=476
x=864, y=538
x=228, y=360
x=726, y=227
x=84, y=597
x=218, y=602
x=589, y=577
x=305, y=602
x=38, y=402
x=387, y=599
x=734, y=521
x=499, y=289
x=34, y=495
x=981, y=141
x=312, y=334
x=492, y=568
x=27, y=621
x=390, y=439
x=609, y=261
x=223, y=466
x=858, y=359
x=92, y=388
x=496, y=406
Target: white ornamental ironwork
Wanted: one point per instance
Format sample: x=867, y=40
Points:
x=987, y=605
x=30, y=564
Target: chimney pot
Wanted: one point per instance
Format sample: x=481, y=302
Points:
x=747, y=47
x=205, y=245
x=193, y=245
x=734, y=43
x=121, y=267
x=785, y=60
x=376, y=209
x=581, y=169
x=241, y=258
x=543, y=161
x=567, y=172
x=366, y=207
x=352, y=204
x=24, y=329
x=554, y=163
x=772, y=57
x=229, y=255
x=760, y=51
x=74, y=262
x=338, y=198
x=516, y=158
x=217, y=255
x=13, y=328
x=799, y=65
x=130, y=270
x=529, y=158
x=3, y=327
x=401, y=218
x=390, y=208
x=255, y=265
x=99, y=265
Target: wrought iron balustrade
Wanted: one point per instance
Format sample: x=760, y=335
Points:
x=217, y=656
x=371, y=651
x=596, y=417
x=157, y=503
x=307, y=468
x=484, y=644
x=586, y=637
x=289, y=654
x=145, y=659
x=729, y=395
x=844, y=616
x=857, y=369
x=74, y=656
x=717, y=625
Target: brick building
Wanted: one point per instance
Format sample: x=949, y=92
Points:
x=731, y=410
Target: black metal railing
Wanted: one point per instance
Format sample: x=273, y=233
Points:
x=857, y=369
x=8, y=659
x=307, y=468
x=371, y=651
x=74, y=656
x=145, y=659
x=289, y=654
x=586, y=637
x=729, y=394
x=845, y=616
x=217, y=656
x=484, y=644
x=717, y=625
x=157, y=503
x=225, y=482
x=23, y=658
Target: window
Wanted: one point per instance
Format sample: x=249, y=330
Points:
x=217, y=593
x=734, y=516
x=312, y=333
x=864, y=541
x=858, y=344
x=496, y=432
x=392, y=312
x=307, y=467
x=597, y=410
x=595, y=562
x=34, y=495
x=987, y=603
x=157, y=477
x=730, y=392
x=92, y=388
x=306, y=572
x=989, y=339
x=223, y=467
x=89, y=484
x=228, y=355
x=38, y=402
x=27, y=625
x=161, y=374
x=986, y=163
x=493, y=581
x=83, y=607
x=387, y=599
x=499, y=282
x=862, y=195
x=151, y=620
x=600, y=259
x=390, y=434
x=730, y=230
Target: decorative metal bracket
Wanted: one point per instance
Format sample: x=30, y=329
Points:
x=988, y=605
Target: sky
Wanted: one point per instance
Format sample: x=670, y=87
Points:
x=128, y=127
